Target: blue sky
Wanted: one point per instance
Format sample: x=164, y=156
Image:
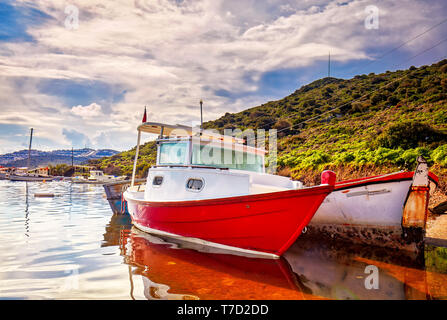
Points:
x=80, y=72
x=15, y=19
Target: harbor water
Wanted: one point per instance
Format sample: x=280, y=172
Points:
x=71, y=246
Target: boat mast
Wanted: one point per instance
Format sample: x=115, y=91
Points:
x=201, y=116
x=29, y=149
x=137, y=151
x=136, y=159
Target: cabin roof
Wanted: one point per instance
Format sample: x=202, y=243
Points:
x=180, y=130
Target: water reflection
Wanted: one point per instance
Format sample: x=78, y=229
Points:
x=170, y=269
x=340, y=272
x=73, y=247
x=172, y=272
x=26, y=210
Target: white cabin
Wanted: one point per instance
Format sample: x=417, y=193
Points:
x=195, y=166
x=98, y=175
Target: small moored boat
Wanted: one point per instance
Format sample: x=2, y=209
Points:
x=114, y=194
x=386, y=210
x=212, y=189
x=30, y=177
x=97, y=177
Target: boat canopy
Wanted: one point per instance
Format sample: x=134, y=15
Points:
x=180, y=130
x=171, y=151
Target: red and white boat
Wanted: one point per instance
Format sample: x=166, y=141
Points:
x=380, y=210
x=212, y=189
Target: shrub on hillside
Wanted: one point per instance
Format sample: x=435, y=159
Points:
x=283, y=126
x=113, y=170
x=439, y=155
x=409, y=134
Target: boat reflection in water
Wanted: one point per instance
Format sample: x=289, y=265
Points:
x=169, y=269
x=177, y=272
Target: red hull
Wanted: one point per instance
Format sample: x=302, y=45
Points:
x=267, y=223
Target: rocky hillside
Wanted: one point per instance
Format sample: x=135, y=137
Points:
x=43, y=158
x=369, y=124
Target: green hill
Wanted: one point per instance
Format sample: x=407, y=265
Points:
x=369, y=124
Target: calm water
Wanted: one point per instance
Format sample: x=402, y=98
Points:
x=72, y=247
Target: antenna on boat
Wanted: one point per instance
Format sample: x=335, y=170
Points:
x=201, y=116
x=29, y=149
x=329, y=65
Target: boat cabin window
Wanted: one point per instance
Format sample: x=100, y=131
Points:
x=194, y=184
x=158, y=180
x=173, y=153
x=226, y=158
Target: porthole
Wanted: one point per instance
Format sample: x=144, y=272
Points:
x=194, y=184
x=158, y=180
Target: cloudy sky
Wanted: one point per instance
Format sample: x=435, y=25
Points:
x=80, y=71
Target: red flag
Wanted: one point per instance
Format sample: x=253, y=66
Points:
x=144, y=116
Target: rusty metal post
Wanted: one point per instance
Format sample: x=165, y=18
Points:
x=416, y=206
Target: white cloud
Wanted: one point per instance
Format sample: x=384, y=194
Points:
x=87, y=112
x=169, y=54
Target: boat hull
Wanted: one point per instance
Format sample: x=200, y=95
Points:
x=30, y=178
x=114, y=193
x=264, y=223
x=367, y=211
x=372, y=204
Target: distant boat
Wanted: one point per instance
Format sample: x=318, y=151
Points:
x=29, y=177
x=97, y=177
x=4, y=173
x=114, y=192
x=16, y=175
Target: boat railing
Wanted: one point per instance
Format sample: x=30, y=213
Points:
x=187, y=166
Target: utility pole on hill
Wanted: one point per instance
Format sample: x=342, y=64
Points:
x=329, y=65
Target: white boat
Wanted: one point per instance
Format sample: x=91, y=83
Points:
x=97, y=177
x=372, y=210
x=29, y=177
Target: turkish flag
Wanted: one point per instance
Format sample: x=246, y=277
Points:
x=144, y=116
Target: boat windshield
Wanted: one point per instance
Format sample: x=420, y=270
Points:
x=173, y=153
x=226, y=158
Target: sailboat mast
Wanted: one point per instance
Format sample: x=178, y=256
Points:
x=201, y=115
x=29, y=149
